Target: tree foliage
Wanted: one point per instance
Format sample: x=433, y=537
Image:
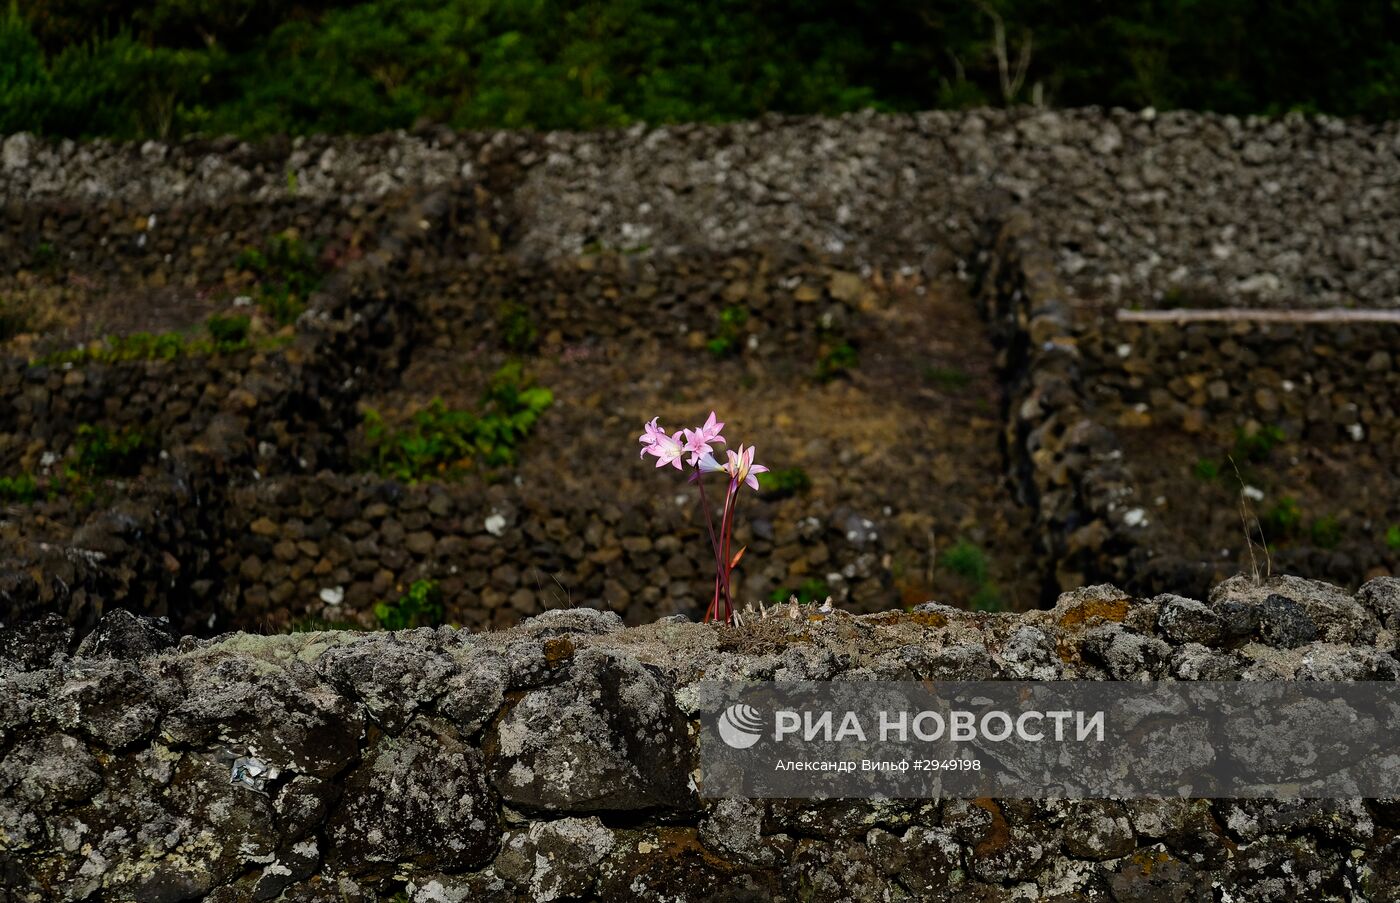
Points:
x=256, y=67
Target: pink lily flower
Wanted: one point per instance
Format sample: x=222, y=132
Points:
x=667, y=449
x=699, y=445
x=651, y=433
x=740, y=466
x=697, y=441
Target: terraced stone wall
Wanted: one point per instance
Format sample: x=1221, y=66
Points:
x=810, y=227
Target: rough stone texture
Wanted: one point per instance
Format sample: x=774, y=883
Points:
x=554, y=761
x=1297, y=209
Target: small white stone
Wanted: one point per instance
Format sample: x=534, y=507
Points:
x=1125, y=349
x=1135, y=517
x=1357, y=431
x=496, y=524
x=1253, y=493
x=333, y=595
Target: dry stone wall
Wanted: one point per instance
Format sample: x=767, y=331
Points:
x=1153, y=207
x=431, y=234
x=555, y=760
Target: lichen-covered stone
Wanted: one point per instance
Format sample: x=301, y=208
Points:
x=607, y=738
x=1183, y=620
x=1335, y=614
x=1098, y=829
x=121, y=634
x=555, y=762
x=393, y=679
x=1382, y=597
x=421, y=798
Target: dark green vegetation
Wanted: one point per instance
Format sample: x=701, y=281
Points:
x=809, y=592
x=22, y=488
x=421, y=606
x=97, y=454
x=838, y=358
x=1283, y=522
x=729, y=336
x=441, y=442
x=255, y=67
x=100, y=452
x=226, y=334
x=518, y=329
x=784, y=482
x=287, y=272
x=968, y=561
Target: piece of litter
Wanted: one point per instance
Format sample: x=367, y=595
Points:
x=253, y=773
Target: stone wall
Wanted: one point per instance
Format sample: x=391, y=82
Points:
x=555, y=760
x=1064, y=463
x=1155, y=208
x=644, y=234
x=259, y=446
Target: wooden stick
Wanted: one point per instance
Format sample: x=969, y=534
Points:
x=1247, y=315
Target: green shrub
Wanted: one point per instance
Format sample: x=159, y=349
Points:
x=808, y=591
x=45, y=256
x=26, y=88
x=784, y=482
x=1206, y=469
x=728, y=338
x=1258, y=446
x=837, y=360
x=120, y=86
x=421, y=606
x=165, y=346
x=99, y=452
x=22, y=489
x=440, y=442
x=1326, y=532
x=518, y=330
x=287, y=271
x=1283, y=519
x=255, y=67
x=1392, y=537
x=967, y=560
x=987, y=598
x=229, y=333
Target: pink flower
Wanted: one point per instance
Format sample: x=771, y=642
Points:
x=708, y=464
x=740, y=466
x=650, y=433
x=667, y=449
x=697, y=441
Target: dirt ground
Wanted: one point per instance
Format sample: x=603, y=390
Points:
x=908, y=438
